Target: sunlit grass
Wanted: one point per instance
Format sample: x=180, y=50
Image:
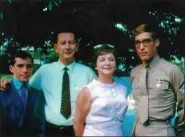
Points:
x=6, y=76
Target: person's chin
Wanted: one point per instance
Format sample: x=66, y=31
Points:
x=108, y=73
x=69, y=56
x=24, y=80
x=144, y=59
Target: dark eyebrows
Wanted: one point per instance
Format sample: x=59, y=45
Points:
x=70, y=41
x=27, y=65
x=20, y=65
x=149, y=39
x=108, y=58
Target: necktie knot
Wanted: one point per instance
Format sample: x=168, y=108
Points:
x=24, y=85
x=147, y=65
x=66, y=69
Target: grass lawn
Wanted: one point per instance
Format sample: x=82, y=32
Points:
x=6, y=76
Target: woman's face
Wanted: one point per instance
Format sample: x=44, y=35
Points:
x=106, y=64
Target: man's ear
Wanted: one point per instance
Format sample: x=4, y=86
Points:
x=77, y=46
x=55, y=47
x=11, y=68
x=157, y=42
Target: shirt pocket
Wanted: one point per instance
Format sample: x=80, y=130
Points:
x=135, y=84
x=135, y=87
x=165, y=93
x=164, y=85
x=74, y=94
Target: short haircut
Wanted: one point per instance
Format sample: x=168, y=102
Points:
x=19, y=54
x=103, y=49
x=146, y=28
x=54, y=36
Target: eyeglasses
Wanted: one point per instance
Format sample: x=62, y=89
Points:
x=144, y=41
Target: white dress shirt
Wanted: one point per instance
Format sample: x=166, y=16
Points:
x=48, y=78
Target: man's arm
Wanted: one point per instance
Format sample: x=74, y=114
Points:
x=41, y=116
x=35, y=80
x=178, y=85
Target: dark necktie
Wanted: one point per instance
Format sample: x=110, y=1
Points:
x=23, y=93
x=66, y=104
x=144, y=99
x=24, y=90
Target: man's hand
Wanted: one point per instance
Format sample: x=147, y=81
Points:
x=4, y=84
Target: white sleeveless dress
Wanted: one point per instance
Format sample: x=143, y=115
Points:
x=109, y=105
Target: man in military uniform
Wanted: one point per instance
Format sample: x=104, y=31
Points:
x=158, y=88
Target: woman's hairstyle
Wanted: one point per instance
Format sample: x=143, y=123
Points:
x=103, y=49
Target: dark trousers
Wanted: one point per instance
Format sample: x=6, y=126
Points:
x=58, y=131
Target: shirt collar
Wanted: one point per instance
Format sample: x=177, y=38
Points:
x=62, y=66
x=18, y=84
x=153, y=62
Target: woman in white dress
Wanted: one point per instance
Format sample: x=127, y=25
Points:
x=102, y=104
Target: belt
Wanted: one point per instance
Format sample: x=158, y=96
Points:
x=65, y=127
x=57, y=127
x=156, y=122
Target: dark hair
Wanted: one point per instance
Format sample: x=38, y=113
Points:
x=103, y=49
x=19, y=54
x=54, y=35
x=147, y=28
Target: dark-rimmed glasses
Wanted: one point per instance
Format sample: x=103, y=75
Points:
x=145, y=42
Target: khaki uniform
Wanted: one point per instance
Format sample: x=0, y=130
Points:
x=165, y=92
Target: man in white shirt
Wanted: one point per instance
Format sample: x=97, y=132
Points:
x=49, y=79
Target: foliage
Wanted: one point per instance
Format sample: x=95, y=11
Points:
x=29, y=24
x=52, y=56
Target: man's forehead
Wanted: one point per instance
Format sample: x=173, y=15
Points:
x=65, y=34
x=21, y=60
x=143, y=35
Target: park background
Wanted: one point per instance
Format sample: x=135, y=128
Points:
x=30, y=24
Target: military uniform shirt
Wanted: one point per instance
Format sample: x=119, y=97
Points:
x=165, y=90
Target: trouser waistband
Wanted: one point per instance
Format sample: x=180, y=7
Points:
x=156, y=122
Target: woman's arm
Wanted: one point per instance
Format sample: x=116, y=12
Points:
x=82, y=109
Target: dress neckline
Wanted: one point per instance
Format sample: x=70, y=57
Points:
x=103, y=84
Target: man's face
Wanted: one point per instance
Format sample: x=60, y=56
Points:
x=22, y=69
x=146, y=46
x=66, y=47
